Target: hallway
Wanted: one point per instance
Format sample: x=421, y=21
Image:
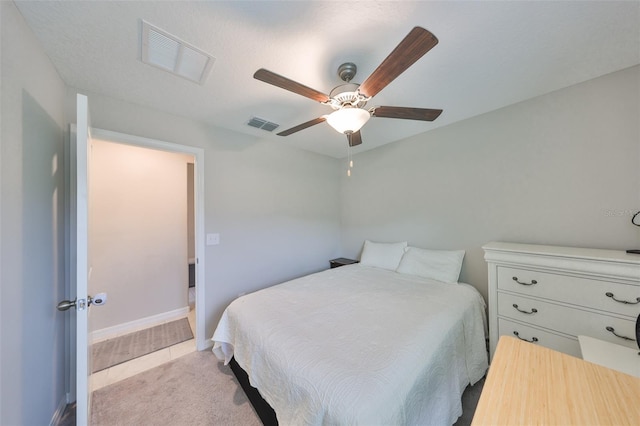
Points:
x=127, y=369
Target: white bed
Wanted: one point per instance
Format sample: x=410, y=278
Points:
x=358, y=345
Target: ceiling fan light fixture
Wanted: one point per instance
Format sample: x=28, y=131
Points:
x=348, y=120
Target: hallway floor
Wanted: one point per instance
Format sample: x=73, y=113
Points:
x=138, y=365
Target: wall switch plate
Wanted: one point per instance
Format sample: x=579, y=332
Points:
x=213, y=239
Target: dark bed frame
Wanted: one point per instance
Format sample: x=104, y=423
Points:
x=262, y=407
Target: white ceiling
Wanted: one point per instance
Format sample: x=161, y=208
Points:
x=490, y=55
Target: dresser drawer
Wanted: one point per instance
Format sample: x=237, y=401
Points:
x=565, y=319
x=589, y=293
x=543, y=338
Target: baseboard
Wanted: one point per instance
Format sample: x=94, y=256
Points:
x=139, y=324
x=57, y=415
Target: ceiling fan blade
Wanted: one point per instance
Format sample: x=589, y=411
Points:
x=354, y=138
x=418, y=42
x=302, y=126
x=423, y=114
x=290, y=85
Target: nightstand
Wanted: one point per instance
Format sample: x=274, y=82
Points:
x=341, y=261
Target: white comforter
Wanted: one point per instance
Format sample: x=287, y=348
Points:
x=358, y=345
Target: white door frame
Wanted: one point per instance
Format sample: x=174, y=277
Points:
x=198, y=154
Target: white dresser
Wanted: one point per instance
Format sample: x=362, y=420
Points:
x=549, y=295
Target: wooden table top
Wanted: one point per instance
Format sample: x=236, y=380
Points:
x=532, y=385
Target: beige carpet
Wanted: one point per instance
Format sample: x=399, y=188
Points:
x=195, y=389
x=133, y=345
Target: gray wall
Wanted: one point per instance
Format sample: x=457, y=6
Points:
x=560, y=169
x=276, y=207
x=32, y=363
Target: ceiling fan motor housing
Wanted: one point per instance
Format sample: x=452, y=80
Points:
x=347, y=94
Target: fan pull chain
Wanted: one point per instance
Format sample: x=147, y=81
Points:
x=349, y=160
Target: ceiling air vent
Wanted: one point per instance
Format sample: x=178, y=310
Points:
x=263, y=124
x=168, y=52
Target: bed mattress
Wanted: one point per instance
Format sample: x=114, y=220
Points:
x=358, y=345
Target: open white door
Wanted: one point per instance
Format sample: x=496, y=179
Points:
x=80, y=243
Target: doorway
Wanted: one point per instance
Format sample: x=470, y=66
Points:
x=183, y=247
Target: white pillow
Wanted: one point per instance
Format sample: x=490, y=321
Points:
x=440, y=265
x=382, y=255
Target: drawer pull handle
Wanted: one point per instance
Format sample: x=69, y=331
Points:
x=533, y=339
x=520, y=282
x=532, y=311
x=613, y=330
x=626, y=302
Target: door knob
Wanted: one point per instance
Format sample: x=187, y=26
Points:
x=66, y=304
x=80, y=305
x=100, y=299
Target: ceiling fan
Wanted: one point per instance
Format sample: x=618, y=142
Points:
x=348, y=100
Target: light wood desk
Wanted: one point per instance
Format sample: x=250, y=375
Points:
x=532, y=385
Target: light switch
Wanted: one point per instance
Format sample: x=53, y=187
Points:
x=213, y=239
